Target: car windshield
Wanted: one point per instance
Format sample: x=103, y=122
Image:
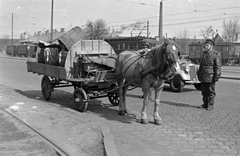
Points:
x=185, y=57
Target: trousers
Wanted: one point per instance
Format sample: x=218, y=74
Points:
x=208, y=92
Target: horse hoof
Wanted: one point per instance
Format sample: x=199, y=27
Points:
x=157, y=121
x=122, y=112
x=144, y=121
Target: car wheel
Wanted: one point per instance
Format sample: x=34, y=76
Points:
x=176, y=84
x=197, y=86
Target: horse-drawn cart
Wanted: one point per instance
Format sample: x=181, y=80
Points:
x=88, y=66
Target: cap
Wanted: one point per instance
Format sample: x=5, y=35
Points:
x=210, y=42
x=146, y=44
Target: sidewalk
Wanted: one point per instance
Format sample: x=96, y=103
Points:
x=77, y=135
x=17, y=140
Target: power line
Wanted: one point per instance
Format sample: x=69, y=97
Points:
x=138, y=3
x=196, y=11
x=197, y=21
x=172, y=15
x=180, y=19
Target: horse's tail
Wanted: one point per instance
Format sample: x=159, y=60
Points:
x=118, y=66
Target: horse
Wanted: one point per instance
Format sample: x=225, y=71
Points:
x=146, y=71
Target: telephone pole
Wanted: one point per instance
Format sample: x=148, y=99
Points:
x=51, y=28
x=160, y=28
x=12, y=29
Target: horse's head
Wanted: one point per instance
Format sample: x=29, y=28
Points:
x=171, y=51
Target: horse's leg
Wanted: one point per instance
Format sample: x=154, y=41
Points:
x=125, y=88
x=145, y=89
x=120, y=82
x=158, y=91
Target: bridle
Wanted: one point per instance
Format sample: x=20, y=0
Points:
x=164, y=69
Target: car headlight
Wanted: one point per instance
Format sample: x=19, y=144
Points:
x=187, y=69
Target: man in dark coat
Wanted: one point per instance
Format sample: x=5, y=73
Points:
x=209, y=73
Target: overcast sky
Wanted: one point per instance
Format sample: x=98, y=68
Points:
x=178, y=15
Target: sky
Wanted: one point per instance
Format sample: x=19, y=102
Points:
x=179, y=16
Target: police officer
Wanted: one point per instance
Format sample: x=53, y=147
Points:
x=209, y=73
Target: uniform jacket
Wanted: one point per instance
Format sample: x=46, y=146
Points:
x=210, y=66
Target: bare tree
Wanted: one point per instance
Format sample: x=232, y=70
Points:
x=207, y=32
x=96, y=30
x=183, y=34
x=231, y=29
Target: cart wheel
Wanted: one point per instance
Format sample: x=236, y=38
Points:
x=176, y=84
x=114, y=97
x=81, y=99
x=46, y=88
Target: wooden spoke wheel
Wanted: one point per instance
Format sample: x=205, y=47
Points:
x=81, y=99
x=46, y=87
x=114, y=97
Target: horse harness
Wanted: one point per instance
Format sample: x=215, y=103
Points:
x=167, y=74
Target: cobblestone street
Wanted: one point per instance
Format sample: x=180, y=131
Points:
x=186, y=130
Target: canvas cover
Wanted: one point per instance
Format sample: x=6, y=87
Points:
x=71, y=37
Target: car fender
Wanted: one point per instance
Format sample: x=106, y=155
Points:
x=183, y=75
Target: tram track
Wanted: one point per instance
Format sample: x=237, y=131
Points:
x=59, y=151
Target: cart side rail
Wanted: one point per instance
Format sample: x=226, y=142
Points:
x=49, y=70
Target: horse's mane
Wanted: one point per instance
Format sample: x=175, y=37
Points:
x=158, y=56
x=158, y=53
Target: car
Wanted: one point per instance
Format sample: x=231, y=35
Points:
x=184, y=58
x=186, y=74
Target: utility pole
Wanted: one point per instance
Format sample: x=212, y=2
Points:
x=51, y=28
x=160, y=29
x=12, y=28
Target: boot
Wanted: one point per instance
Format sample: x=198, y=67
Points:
x=203, y=106
x=210, y=107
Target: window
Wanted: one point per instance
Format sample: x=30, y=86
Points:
x=225, y=48
x=119, y=46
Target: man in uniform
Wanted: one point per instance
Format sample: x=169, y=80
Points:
x=209, y=73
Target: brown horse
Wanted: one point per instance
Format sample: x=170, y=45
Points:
x=147, y=71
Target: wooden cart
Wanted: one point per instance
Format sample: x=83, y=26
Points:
x=88, y=66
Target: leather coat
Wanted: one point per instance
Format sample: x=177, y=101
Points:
x=210, y=66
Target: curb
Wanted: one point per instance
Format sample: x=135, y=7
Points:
x=18, y=58
x=108, y=139
x=231, y=78
x=109, y=145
